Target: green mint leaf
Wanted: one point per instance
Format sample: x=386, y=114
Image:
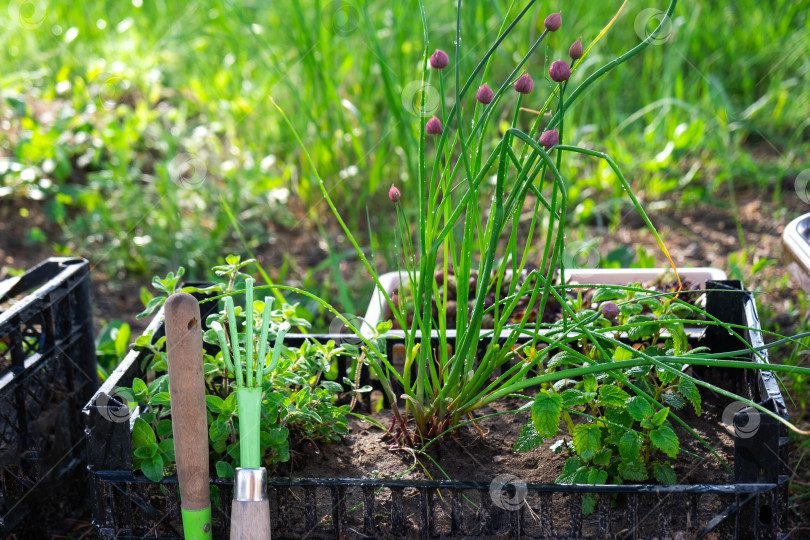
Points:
x=612, y=396
x=666, y=377
x=654, y=304
x=546, y=411
x=572, y=397
x=689, y=390
x=659, y=417
x=603, y=457
x=631, y=309
x=630, y=445
x=563, y=358
x=528, y=439
x=607, y=293
x=640, y=333
x=633, y=470
x=673, y=400
x=622, y=354
x=160, y=384
x=638, y=408
x=282, y=453
x=590, y=384
x=618, y=417
x=219, y=429
x=665, y=440
x=589, y=502
x=665, y=474
x=597, y=476
x=587, y=440
x=570, y=471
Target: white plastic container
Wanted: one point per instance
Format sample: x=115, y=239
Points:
x=614, y=276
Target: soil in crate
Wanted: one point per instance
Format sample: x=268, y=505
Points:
x=469, y=456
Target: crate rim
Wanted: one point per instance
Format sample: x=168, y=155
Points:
x=70, y=266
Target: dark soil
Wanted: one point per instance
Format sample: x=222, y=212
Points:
x=483, y=451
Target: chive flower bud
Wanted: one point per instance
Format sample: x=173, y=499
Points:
x=439, y=277
x=550, y=138
x=433, y=126
x=553, y=22
x=559, y=71
x=394, y=194
x=439, y=59
x=575, y=52
x=609, y=310
x=524, y=85
x=485, y=94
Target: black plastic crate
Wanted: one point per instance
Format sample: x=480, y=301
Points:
x=128, y=505
x=47, y=372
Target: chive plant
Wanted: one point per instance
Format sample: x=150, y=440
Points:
x=474, y=182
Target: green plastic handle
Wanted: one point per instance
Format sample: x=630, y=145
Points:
x=197, y=524
x=249, y=407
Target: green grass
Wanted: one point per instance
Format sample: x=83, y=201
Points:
x=103, y=101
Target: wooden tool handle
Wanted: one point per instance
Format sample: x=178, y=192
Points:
x=187, y=389
x=250, y=520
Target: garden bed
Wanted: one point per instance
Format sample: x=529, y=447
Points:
x=129, y=505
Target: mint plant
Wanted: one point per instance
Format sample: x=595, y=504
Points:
x=620, y=437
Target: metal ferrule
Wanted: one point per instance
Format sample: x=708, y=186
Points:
x=250, y=484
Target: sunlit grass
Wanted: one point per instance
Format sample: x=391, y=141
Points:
x=720, y=97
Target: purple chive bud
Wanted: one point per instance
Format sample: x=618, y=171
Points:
x=550, y=138
x=610, y=310
x=439, y=59
x=524, y=84
x=485, y=94
x=575, y=52
x=433, y=126
x=553, y=22
x=559, y=71
x=394, y=194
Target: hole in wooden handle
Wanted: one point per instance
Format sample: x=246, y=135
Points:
x=192, y=323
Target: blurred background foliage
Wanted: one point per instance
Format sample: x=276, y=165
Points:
x=134, y=125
